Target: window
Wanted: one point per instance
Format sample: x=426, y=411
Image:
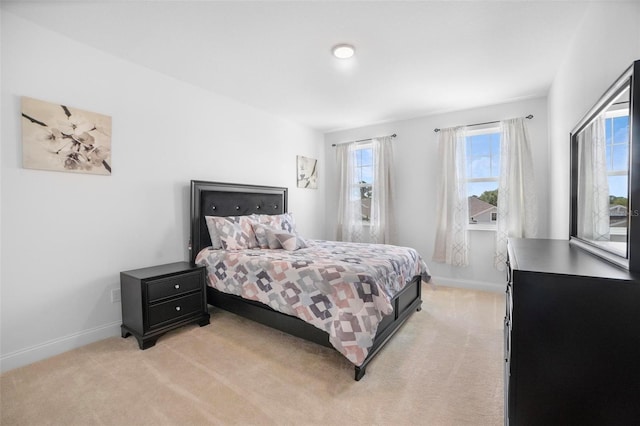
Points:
x=365, y=210
x=617, y=157
x=483, y=172
x=363, y=189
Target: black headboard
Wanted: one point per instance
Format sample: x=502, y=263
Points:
x=227, y=199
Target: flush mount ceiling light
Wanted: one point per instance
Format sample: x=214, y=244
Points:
x=343, y=51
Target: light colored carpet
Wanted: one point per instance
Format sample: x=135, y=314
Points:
x=444, y=367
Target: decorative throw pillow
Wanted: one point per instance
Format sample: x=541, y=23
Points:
x=278, y=238
x=235, y=232
x=261, y=234
x=276, y=221
x=213, y=232
x=290, y=241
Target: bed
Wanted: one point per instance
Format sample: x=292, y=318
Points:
x=381, y=312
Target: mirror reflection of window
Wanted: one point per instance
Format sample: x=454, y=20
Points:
x=593, y=182
x=617, y=155
x=603, y=177
x=615, y=115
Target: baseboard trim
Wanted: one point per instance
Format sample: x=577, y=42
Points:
x=54, y=347
x=470, y=284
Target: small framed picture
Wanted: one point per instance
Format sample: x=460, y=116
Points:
x=307, y=172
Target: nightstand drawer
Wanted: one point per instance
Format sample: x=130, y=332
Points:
x=173, y=286
x=175, y=308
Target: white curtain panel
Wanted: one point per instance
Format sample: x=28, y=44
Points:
x=349, y=211
x=593, y=183
x=517, y=202
x=382, y=204
x=452, y=242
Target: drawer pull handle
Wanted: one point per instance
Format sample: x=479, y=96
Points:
x=177, y=286
x=177, y=308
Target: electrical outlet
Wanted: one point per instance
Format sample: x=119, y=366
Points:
x=115, y=295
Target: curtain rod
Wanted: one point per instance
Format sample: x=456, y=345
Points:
x=530, y=116
x=364, y=140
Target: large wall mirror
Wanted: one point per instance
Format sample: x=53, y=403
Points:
x=605, y=174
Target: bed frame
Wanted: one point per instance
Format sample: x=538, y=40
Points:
x=224, y=199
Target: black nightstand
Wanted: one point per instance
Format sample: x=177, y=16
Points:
x=161, y=298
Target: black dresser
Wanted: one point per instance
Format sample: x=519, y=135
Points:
x=572, y=337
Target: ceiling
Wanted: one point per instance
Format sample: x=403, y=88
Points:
x=413, y=58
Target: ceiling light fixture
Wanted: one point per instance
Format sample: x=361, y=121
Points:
x=343, y=51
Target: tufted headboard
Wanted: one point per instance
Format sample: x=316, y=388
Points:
x=226, y=199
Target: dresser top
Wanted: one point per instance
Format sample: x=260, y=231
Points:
x=160, y=270
x=562, y=257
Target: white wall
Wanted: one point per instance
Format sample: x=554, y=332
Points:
x=416, y=159
x=66, y=237
x=606, y=43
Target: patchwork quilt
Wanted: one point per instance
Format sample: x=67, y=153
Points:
x=342, y=288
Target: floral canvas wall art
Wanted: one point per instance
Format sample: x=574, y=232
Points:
x=61, y=138
x=307, y=172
